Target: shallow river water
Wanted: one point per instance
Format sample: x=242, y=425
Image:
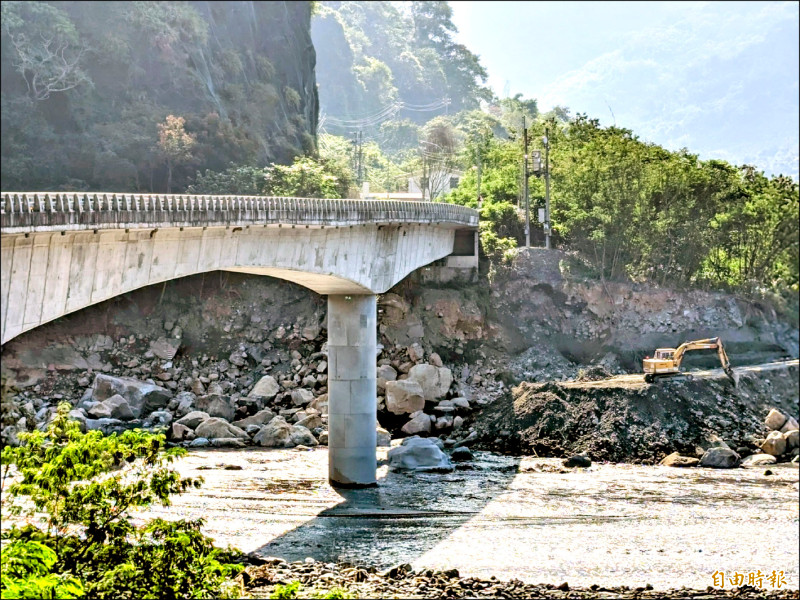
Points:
x=611, y=524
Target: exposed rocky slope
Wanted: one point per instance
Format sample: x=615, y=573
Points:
x=215, y=342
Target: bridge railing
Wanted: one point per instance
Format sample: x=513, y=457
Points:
x=33, y=210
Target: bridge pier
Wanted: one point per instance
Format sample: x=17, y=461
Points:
x=352, y=390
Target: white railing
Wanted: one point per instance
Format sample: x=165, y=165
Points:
x=87, y=208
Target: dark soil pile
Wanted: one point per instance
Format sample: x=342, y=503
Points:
x=633, y=421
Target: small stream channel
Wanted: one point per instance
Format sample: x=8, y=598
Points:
x=611, y=524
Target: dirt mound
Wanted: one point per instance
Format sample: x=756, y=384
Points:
x=633, y=421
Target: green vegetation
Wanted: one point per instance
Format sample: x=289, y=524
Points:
x=87, y=87
x=286, y=592
x=393, y=72
x=305, y=178
x=377, y=53
x=292, y=589
x=85, y=544
x=634, y=210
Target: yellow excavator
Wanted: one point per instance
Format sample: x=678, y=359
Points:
x=667, y=361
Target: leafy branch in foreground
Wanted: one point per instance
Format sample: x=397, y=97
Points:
x=79, y=489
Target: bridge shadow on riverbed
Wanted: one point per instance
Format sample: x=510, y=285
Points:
x=402, y=518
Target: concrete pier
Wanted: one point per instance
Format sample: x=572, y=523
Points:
x=352, y=390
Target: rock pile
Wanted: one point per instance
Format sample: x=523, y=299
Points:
x=402, y=581
x=271, y=392
x=782, y=443
x=783, y=439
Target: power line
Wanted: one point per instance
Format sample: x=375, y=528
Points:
x=384, y=114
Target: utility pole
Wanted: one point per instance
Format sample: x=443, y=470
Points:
x=546, y=140
x=525, y=175
x=476, y=237
x=359, y=177
x=479, y=178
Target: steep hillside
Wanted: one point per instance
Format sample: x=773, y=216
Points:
x=86, y=84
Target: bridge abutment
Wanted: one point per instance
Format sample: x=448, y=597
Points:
x=352, y=390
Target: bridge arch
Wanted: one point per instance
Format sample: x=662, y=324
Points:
x=64, y=252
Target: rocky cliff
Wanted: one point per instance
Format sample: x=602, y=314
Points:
x=85, y=85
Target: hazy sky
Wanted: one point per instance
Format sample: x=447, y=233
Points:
x=719, y=78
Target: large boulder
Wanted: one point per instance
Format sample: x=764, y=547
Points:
x=416, y=352
x=275, y=434
x=216, y=406
x=301, y=436
x=79, y=415
x=311, y=421
x=775, y=444
x=228, y=443
x=266, y=388
x=115, y=407
x=302, y=397
x=193, y=419
x=185, y=403
x=790, y=425
x=435, y=381
x=461, y=454
x=720, y=458
x=320, y=404
x=758, y=460
x=676, y=460
x=419, y=423
x=165, y=348
x=215, y=427
x=180, y=433
x=418, y=454
x=143, y=398
x=262, y=417
x=158, y=419
x=405, y=396
x=108, y=425
x=792, y=438
x=383, y=437
x=775, y=420
x=385, y=373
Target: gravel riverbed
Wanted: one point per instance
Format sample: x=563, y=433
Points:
x=529, y=523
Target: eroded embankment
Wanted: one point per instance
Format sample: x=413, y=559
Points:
x=630, y=421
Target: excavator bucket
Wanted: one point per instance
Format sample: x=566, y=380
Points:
x=733, y=376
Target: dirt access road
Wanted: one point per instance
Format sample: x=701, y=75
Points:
x=636, y=380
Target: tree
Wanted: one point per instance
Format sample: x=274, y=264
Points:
x=306, y=178
x=174, y=144
x=48, y=49
x=437, y=159
x=434, y=28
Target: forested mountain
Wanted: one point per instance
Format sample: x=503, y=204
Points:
x=384, y=58
x=87, y=88
x=205, y=96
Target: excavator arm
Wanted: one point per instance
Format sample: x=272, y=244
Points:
x=707, y=344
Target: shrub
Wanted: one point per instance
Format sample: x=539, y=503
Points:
x=85, y=485
x=286, y=592
x=27, y=572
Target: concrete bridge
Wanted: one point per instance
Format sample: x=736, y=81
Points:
x=64, y=252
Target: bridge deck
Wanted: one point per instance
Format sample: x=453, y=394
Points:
x=24, y=212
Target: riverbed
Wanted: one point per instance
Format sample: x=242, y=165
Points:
x=524, y=518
